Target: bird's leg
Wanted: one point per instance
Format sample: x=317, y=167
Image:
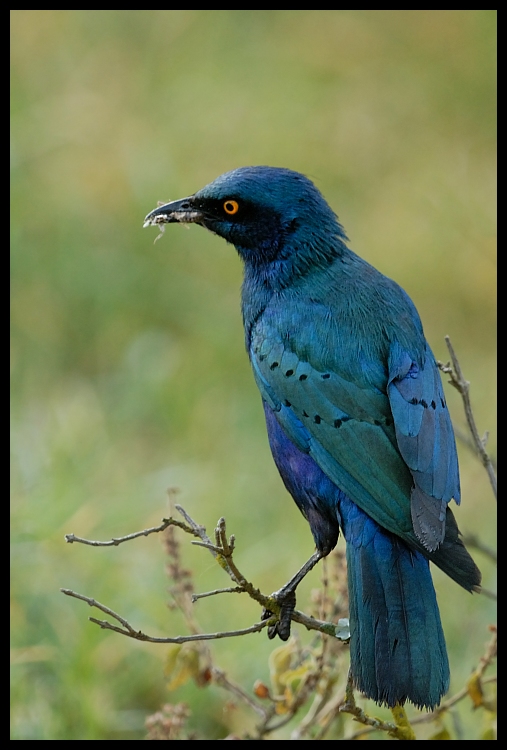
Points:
x=286, y=598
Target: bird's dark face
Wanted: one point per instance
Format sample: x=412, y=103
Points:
x=266, y=212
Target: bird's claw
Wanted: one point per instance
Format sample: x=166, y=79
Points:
x=286, y=598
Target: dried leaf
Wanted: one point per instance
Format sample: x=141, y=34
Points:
x=474, y=687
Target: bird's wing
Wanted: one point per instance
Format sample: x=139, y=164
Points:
x=346, y=425
x=426, y=441
x=389, y=447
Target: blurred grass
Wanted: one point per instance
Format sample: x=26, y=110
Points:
x=128, y=368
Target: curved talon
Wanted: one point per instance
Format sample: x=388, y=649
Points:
x=266, y=614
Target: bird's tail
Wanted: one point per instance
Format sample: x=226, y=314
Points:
x=454, y=559
x=397, y=644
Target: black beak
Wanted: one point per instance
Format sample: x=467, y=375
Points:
x=182, y=211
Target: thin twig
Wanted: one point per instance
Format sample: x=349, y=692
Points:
x=221, y=679
x=462, y=385
x=138, y=635
x=102, y=607
x=197, y=529
x=328, y=713
x=115, y=541
x=234, y=590
x=401, y=730
x=465, y=438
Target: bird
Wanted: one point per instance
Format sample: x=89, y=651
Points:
x=356, y=418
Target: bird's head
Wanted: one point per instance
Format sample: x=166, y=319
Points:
x=269, y=214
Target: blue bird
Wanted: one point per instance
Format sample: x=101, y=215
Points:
x=356, y=419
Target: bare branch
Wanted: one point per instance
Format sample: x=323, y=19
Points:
x=102, y=607
x=208, y=545
x=221, y=679
x=465, y=438
x=234, y=590
x=462, y=385
x=197, y=529
x=115, y=541
x=401, y=730
x=138, y=635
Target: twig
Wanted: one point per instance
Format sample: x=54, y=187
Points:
x=401, y=730
x=234, y=590
x=465, y=438
x=138, y=635
x=221, y=679
x=115, y=541
x=462, y=385
x=102, y=607
x=328, y=713
x=197, y=529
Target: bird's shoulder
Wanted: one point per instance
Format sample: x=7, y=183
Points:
x=343, y=319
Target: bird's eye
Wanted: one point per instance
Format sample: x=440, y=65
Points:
x=231, y=207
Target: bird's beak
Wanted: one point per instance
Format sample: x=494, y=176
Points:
x=182, y=211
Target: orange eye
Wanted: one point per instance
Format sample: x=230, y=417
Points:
x=231, y=207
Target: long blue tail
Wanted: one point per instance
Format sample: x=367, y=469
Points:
x=397, y=644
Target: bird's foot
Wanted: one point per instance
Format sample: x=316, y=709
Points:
x=286, y=599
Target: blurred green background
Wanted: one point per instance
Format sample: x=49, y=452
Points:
x=129, y=374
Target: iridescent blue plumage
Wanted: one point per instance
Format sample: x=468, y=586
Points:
x=356, y=417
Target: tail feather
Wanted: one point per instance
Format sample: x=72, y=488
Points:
x=397, y=645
